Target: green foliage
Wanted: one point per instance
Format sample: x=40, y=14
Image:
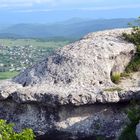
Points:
x=115, y=77
x=134, y=64
x=128, y=133
x=134, y=116
x=7, y=132
x=100, y=138
x=125, y=74
x=134, y=37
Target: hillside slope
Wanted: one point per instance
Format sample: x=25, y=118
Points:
x=71, y=29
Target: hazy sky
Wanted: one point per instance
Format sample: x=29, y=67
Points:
x=55, y=10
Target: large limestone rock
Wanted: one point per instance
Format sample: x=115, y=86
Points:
x=77, y=73
x=68, y=91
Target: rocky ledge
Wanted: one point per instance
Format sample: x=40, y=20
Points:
x=68, y=92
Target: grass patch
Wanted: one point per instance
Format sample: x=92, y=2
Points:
x=7, y=75
x=113, y=89
x=115, y=77
x=34, y=42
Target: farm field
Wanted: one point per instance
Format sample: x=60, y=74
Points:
x=7, y=75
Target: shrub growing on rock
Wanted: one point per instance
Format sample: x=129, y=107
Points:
x=129, y=133
x=7, y=132
x=134, y=37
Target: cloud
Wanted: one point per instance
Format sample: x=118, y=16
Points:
x=81, y=9
x=23, y=1
x=110, y=7
x=34, y=10
x=54, y=5
x=17, y=3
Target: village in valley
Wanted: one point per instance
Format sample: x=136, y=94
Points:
x=15, y=58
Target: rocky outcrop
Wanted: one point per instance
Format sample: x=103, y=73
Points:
x=69, y=90
x=75, y=122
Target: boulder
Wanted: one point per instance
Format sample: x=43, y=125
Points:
x=70, y=91
x=138, y=131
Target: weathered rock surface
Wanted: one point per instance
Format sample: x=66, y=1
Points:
x=77, y=73
x=69, y=90
x=138, y=131
x=80, y=122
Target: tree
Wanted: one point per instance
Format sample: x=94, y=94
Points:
x=7, y=132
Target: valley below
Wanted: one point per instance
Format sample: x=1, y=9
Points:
x=18, y=54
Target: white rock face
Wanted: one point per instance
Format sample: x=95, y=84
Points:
x=77, y=73
x=87, y=62
x=69, y=90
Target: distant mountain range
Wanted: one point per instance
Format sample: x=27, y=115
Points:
x=71, y=29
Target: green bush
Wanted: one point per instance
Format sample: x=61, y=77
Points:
x=7, y=132
x=134, y=38
x=100, y=138
x=134, y=116
x=125, y=74
x=115, y=77
x=134, y=64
